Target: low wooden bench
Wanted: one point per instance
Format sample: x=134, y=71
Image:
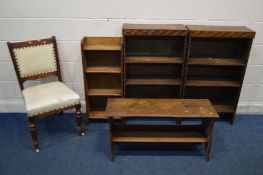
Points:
x=160, y=108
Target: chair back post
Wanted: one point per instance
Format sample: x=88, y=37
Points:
x=20, y=80
x=57, y=58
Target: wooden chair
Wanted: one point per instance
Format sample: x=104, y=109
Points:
x=39, y=59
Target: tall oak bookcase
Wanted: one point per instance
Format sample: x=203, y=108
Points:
x=154, y=57
x=216, y=64
x=102, y=70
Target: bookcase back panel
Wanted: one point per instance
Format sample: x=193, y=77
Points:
x=104, y=81
x=154, y=46
x=218, y=48
x=104, y=58
x=214, y=73
x=217, y=95
x=147, y=91
x=98, y=103
x=153, y=70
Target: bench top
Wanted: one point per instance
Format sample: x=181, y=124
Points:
x=139, y=107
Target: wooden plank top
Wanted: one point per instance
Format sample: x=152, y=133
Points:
x=139, y=107
x=221, y=31
x=154, y=29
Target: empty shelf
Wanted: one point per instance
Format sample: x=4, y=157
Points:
x=208, y=83
x=97, y=115
x=152, y=82
x=216, y=61
x=224, y=108
x=114, y=70
x=102, y=47
x=155, y=133
x=177, y=60
x=104, y=92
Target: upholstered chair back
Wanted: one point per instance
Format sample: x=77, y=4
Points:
x=35, y=59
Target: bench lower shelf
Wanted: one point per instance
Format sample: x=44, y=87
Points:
x=158, y=133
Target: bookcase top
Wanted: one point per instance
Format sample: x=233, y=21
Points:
x=221, y=31
x=154, y=29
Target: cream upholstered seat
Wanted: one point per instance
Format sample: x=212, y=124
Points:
x=49, y=97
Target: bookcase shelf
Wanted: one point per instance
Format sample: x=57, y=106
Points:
x=154, y=60
x=103, y=47
x=216, y=61
x=224, y=108
x=111, y=70
x=211, y=83
x=175, y=60
x=97, y=115
x=104, y=92
x=153, y=82
x=102, y=71
x=216, y=65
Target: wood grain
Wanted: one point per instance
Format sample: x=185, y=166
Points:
x=103, y=47
x=220, y=31
x=97, y=115
x=153, y=82
x=148, y=60
x=113, y=70
x=216, y=61
x=184, y=108
x=154, y=30
x=104, y=92
x=210, y=83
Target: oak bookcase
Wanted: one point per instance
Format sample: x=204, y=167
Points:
x=167, y=61
x=216, y=63
x=153, y=60
x=102, y=70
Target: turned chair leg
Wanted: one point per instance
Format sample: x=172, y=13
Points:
x=33, y=131
x=79, y=120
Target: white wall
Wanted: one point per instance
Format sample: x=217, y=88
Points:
x=70, y=20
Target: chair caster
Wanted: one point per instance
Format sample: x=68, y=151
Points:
x=37, y=151
x=82, y=134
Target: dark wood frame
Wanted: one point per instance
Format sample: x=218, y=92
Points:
x=243, y=38
x=154, y=31
x=137, y=133
x=103, y=46
x=188, y=32
x=21, y=80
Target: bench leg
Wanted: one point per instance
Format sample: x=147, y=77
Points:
x=178, y=121
x=110, y=140
x=112, y=151
x=208, y=126
x=232, y=119
x=207, y=150
x=123, y=121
